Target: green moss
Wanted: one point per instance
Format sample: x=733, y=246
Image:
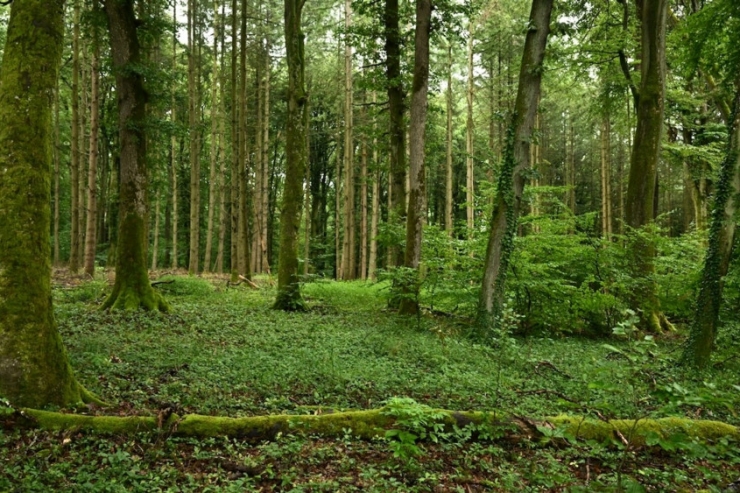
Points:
x=132, y=290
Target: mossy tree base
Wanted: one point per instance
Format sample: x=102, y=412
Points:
x=128, y=298
x=289, y=300
x=374, y=423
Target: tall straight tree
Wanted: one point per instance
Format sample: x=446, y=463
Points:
x=92, y=170
x=194, y=139
x=242, y=227
x=234, y=146
x=349, y=155
x=469, y=133
x=215, y=118
x=74, y=174
x=397, y=131
x=34, y=369
x=512, y=177
x=449, y=225
x=174, y=142
x=289, y=294
x=132, y=289
x=643, y=172
x=419, y=91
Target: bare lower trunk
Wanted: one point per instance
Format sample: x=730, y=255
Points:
x=265, y=194
x=363, y=208
x=415, y=215
x=155, y=243
x=503, y=226
x=214, y=189
x=92, y=206
x=289, y=294
x=193, y=266
x=469, y=129
x=449, y=225
x=74, y=175
x=131, y=290
x=373, y=261
x=606, y=190
x=56, y=175
x=242, y=227
x=349, y=155
x=396, y=96
x=234, y=146
x=174, y=143
x=640, y=206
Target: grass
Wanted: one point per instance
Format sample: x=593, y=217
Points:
x=223, y=351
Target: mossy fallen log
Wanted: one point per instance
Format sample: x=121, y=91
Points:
x=376, y=422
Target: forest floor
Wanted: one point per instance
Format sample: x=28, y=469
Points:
x=224, y=351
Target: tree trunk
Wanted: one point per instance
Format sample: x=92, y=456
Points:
x=92, y=208
x=193, y=266
x=449, y=223
x=82, y=175
x=56, y=175
x=363, y=197
x=469, y=129
x=644, y=165
x=222, y=221
x=698, y=351
x=349, y=154
x=606, y=190
x=265, y=193
x=373, y=261
x=155, y=243
x=132, y=289
x=234, y=146
x=74, y=175
x=396, y=97
x=34, y=369
x=289, y=294
x=213, y=188
x=174, y=144
x=415, y=215
x=503, y=226
x=242, y=227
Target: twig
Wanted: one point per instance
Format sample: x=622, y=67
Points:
x=244, y=279
x=155, y=283
x=554, y=368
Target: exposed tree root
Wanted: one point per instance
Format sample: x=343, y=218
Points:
x=374, y=423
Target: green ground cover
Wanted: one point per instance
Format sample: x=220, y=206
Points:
x=223, y=351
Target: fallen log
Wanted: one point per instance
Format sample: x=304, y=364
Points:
x=375, y=423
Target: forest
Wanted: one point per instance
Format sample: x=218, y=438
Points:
x=369, y=245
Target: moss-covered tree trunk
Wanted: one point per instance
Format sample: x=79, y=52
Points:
x=415, y=215
x=644, y=163
x=34, y=370
x=132, y=289
x=503, y=225
x=698, y=351
x=289, y=294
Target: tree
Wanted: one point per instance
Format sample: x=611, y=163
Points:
x=643, y=173
x=397, y=131
x=289, y=294
x=34, y=369
x=420, y=88
x=131, y=290
x=193, y=38
x=503, y=225
x=92, y=194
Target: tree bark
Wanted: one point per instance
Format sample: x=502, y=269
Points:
x=74, y=175
x=469, y=130
x=265, y=192
x=92, y=206
x=363, y=197
x=503, y=225
x=34, y=369
x=349, y=263
x=373, y=261
x=193, y=265
x=397, y=132
x=132, y=289
x=289, y=294
x=606, y=190
x=213, y=189
x=449, y=224
x=174, y=143
x=56, y=175
x=644, y=164
x=234, y=146
x=242, y=227
x=155, y=243
x=415, y=216
x=698, y=350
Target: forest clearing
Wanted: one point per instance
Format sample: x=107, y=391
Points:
x=440, y=245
